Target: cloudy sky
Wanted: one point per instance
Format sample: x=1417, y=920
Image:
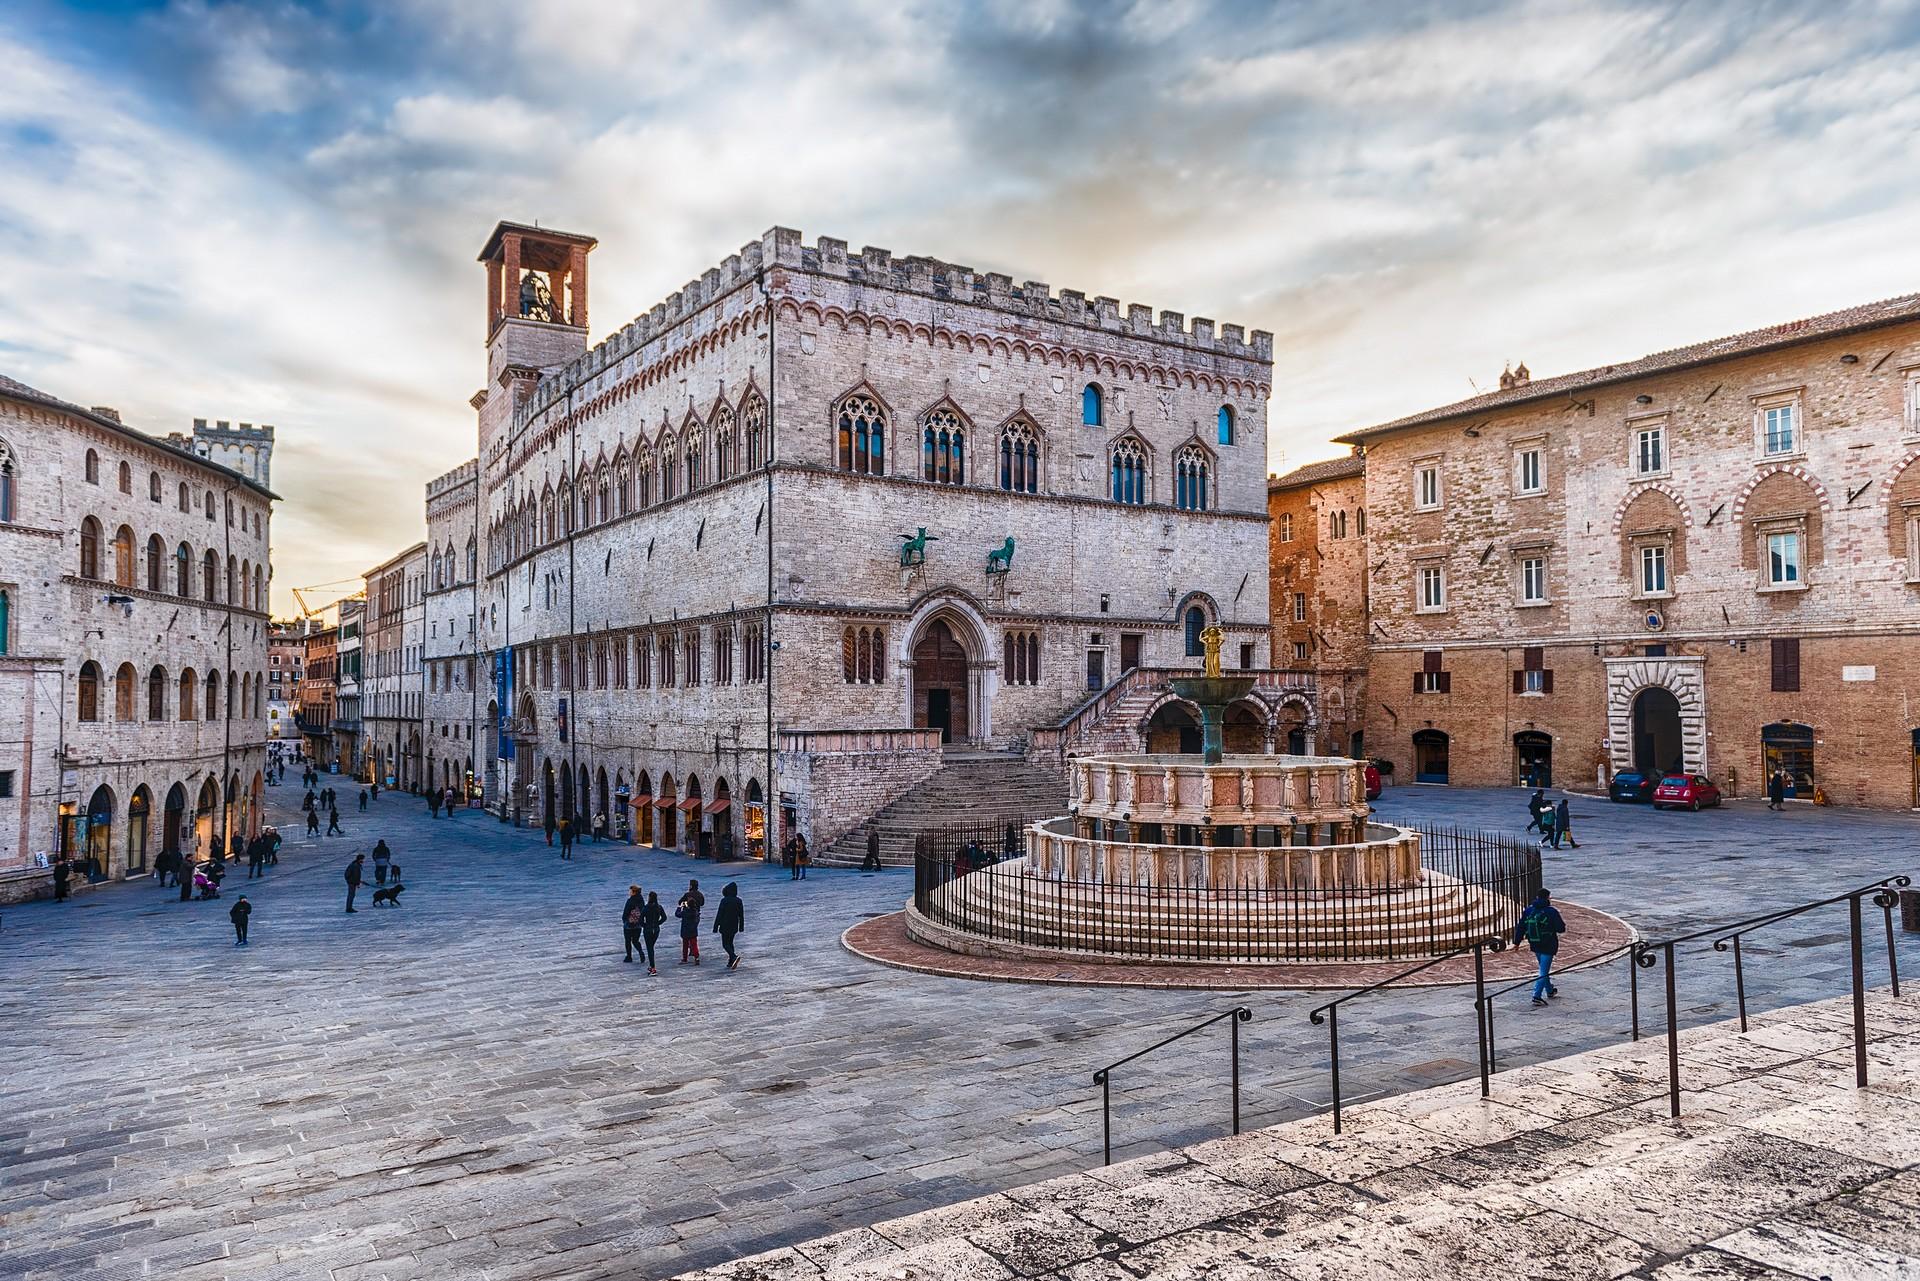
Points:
x=270, y=211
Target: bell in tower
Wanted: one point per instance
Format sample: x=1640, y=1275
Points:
x=536, y=274
x=536, y=300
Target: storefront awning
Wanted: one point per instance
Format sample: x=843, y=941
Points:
x=642, y=801
x=720, y=806
x=664, y=802
x=691, y=804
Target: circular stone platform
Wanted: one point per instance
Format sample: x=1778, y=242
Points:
x=884, y=940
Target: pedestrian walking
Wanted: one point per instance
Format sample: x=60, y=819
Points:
x=166, y=866
x=1563, y=825
x=256, y=857
x=872, y=862
x=566, y=839
x=688, y=910
x=549, y=826
x=363, y=800
x=1536, y=805
x=1541, y=927
x=375, y=788
x=633, y=919
x=353, y=878
x=802, y=857
x=651, y=919
x=382, y=856
x=313, y=823
x=238, y=914
x=729, y=919
x=62, y=875
x=333, y=823
x=433, y=804
x=1776, y=790
x=185, y=877
x=790, y=855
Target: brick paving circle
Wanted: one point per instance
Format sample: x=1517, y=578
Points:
x=884, y=940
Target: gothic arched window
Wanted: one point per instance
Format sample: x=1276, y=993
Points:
x=182, y=571
x=125, y=687
x=123, y=573
x=1196, y=622
x=89, y=691
x=692, y=448
x=1128, y=472
x=210, y=575
x=753, y=421
x=156, y=564
x=126, y=478
x=8, y=474
x=863, y=655
x=722, y=443
x=603, y=492
x=1090, y=408
x=188, y=704
x=1226, y=424
x=1190, y=479
x=1020, y=457
x=93, y=467
x=157, y=694
x=863, y=436
x=89, y=548
x=943, y=448
x=186, y=498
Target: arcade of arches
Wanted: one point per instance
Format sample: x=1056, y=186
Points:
x=122, y=835
x=688, y=814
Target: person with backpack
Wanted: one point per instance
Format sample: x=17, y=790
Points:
x=728, y=920
x=1536, y=804
x=1541, y=926
x=382, y=857
x=1548, y=818
x=313, y=823
x=688, y=910
x=632, y=918
x=566, y=838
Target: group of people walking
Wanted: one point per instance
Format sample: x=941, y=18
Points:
x=642, y=916
x=1553, y=822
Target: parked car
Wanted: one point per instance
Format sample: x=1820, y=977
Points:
x=1630, y=785
x=1373, y=781
x=1690, y=790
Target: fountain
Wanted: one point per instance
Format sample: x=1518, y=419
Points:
x=1211, y=693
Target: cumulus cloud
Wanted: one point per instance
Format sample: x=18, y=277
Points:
x=270, y=211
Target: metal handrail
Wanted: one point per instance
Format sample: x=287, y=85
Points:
x=1883, y=897
x=1479, y=948
x=1633, y=982
x=1239, y=1014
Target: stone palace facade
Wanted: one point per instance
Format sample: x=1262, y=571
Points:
x=1706, y=559
x=133, y=644
x=697, y=577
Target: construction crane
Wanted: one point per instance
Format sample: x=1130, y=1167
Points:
x=308, y=611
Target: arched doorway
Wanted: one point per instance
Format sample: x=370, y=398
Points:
x=138, y=810
x=173, y=822
x=566, y=794
x=549, y=811
x=643, y=809
x=603, y=812
x=1243, y=730
x=756, y=821
x=256, y=804
x=589, y=818
x=1787, y=746
x=940, y=683
x=204, y=817
x=1656, y=731
x=1173, y=728
x=1292, y=737
x=99, y=846
x=1533, y=759
x=1429, y=756
x=699, y=841
x=721, y=811
x=664, y=800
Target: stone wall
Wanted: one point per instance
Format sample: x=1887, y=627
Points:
x=1317, y=552
x=836, y=781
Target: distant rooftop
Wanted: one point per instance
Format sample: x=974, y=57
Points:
x=1315, y=473
x=1852, y=319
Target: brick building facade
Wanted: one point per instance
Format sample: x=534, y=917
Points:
x=1706, y=559
x=133, y=644
x=693, y=565
x=392, y=670
x=1317, y=565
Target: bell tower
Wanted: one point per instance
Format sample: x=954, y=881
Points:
x=536, y=275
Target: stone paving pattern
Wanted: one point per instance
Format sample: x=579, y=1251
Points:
x=476, y=1086
x=1778, y=1167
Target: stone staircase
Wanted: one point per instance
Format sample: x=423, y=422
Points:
x=1778, y=1168
x=970, y=787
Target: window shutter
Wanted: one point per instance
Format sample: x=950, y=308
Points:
x=1430, y=661
x=1546, y=682
x=1446, y=682
x=1533, y=658
x=1416, y=682
x=1520, y=682
x=1786, y=666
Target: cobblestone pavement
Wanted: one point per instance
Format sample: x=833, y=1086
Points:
x=475, y=1085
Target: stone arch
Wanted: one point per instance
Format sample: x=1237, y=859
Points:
x=1285, y=724
x=1778, y=490
x=1901, y=494
x=1654, y=510
x=1780, y=469
x=946, y=652
x=1681, y=675
x=1655, y=487
x=1246, y=727
x=1171, y=725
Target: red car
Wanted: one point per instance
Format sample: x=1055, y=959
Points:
x=1690, y=790
x=1373, y=781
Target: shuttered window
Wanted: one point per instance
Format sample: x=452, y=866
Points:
x=1786, y=666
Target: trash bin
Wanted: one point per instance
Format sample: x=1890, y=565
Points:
x=1910, y=911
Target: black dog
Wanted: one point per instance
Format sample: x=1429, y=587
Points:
x=390, y=896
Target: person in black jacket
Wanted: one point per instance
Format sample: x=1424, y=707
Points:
x=729, y=919
x=650, y=922
x=688, y=909
x=353, y=878
x=632, y=916
x=1541, y=927
x=238, y=914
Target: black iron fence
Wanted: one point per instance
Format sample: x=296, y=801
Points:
x=969, y=879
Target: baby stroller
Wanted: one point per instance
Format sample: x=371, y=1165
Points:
x=207, y=886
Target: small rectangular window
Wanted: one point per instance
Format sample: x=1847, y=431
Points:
x=1299, y=651
x=1786, y=665
x=1528, y=478
x=6, y=783
x=1783, y=559
x=1433, y=588
x=1426, y=486
x=1653, y=570
x=1650, y=451
x=1299, y=607
x=1533, y=580
x=1778, y=434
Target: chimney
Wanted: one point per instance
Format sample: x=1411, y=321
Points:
x=108, y=412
